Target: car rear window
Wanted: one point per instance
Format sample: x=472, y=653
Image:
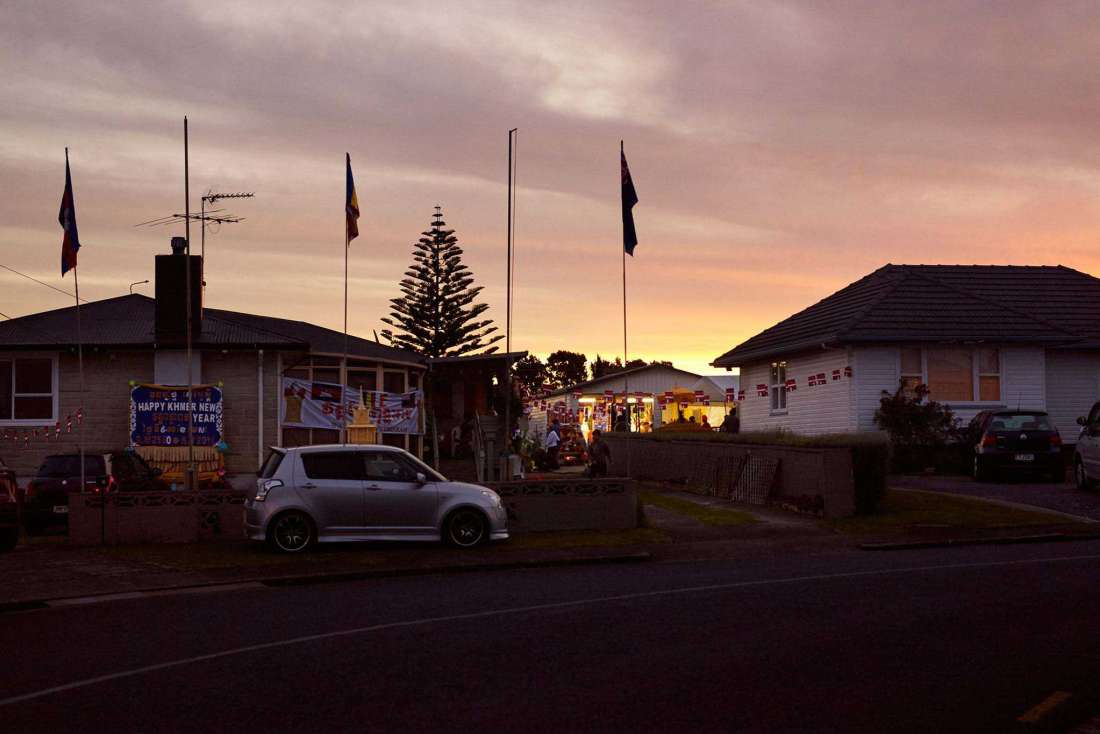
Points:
x=1020, y=422
x=69, y=466
x=347, y=465
x=271, y=464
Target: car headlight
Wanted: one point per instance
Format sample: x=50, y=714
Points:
x=492, y=497
x=267, y=486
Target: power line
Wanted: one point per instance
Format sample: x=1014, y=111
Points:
x=36, y=280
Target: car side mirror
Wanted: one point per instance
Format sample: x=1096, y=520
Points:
x=101, y=482
x=1082, y=421
x=421, y=478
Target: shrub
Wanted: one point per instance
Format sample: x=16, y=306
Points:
x=922, y=432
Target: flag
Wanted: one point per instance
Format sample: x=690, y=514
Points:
x=66, y=217
x=352, y=206
x=630, y=198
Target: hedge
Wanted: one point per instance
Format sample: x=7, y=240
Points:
x=870, y=454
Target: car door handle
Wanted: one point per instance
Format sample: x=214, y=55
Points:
x=373, y=487
x=309, y=485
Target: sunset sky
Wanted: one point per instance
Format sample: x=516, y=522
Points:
x=779, y=150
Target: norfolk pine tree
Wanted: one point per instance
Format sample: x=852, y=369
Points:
x=436, y=315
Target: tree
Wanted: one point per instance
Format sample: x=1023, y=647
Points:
x=529, y=374
x=601, y=367
x=567, y=368
x=918, y=427
x=436, y=315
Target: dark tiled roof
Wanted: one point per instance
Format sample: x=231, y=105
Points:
x=128, y=321
x=940, y=303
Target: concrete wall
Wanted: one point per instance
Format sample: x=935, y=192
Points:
x=569, y=504
x=156, y=517
x=803, y=472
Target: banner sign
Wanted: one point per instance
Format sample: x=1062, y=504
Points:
x=158, y=415
x=327, y=405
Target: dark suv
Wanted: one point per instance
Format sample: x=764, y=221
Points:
x=47, y=501
x=1016, y=440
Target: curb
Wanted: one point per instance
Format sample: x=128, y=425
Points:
x=321, y=578
x=959, y=542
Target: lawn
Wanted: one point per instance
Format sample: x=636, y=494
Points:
x=706, y=514
x=904, y=511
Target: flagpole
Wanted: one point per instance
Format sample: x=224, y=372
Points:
x=80, y=406
x=626, y=378
x=344, y=362
x=508, y=317
x=190, y=483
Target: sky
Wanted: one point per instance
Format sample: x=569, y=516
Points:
x=780, y=150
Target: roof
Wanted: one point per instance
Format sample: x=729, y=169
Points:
x=511, y=356
x=1036, y=304
x=582, y=386
x=128, y=322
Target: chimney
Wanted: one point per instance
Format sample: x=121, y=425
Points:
x=171, y=293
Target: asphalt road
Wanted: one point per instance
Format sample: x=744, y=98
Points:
x=933, y=640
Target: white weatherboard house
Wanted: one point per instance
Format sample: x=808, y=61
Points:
x=979, y=336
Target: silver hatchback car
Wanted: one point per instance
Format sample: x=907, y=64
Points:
x=355, y=492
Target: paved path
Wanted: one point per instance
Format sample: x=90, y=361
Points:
x=909, y=642
x=1060, y=497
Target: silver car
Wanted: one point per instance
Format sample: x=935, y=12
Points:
x=354, y=492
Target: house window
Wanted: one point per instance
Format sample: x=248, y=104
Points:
x=779, y=386
x=28, y=390
x=989, y=375
x=912, y=368
x=953, y=374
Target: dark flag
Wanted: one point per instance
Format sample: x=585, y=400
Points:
x=351, y=206
x=630, y=198
x=66, y=217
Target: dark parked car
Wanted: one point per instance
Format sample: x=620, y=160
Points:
x=47, y=501
x=1016, y=441
x=1086, y=455
x=9, y=509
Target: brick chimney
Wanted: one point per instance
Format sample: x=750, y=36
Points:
x=171, y=292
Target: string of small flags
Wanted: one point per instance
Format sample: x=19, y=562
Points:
x=818, y=379
x=48, y=433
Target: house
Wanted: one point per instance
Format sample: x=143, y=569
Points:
x=595, y=403
x=262, y=377
x=979, y=336
x=460, y=388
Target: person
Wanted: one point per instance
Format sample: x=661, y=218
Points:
x=622, y=423
x=731, y=423
x=551, y=444
x=599, y=453
x=706, y=422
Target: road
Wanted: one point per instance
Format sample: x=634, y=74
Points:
x=931, y=640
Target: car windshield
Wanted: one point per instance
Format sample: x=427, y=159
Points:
x=1020, y=422
x=69, y=466
x=429, y=472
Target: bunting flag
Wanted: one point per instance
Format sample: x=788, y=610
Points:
x=66, y=217
x=351, y=206
x=630, y=198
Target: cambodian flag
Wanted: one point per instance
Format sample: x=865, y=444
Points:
x=351, y=204
x=66, y=217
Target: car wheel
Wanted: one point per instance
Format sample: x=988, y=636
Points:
x=291, y=532
x=465, y=528
x=1081, y=477
x=8, y=539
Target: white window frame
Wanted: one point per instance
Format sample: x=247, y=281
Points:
x=975, y=375
x=35, y=422
x=777, y=379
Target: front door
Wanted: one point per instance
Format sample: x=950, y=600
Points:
x=395, y=503
x=333, y=488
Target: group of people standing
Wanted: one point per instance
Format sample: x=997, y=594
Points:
x=599, y=453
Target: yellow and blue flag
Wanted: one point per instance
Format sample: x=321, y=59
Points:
x=66, y=217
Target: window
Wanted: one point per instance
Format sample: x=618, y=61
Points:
x=386, y=467
x=912, y=368
x=393, y=382
x=340, y=465
x=953, y=374
x=779, y=385
x=28, y=389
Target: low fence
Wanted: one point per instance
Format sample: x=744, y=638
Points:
x=569, y=504
x=815, y=479
x=156, y=517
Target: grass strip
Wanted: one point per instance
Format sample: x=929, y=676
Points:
x=706, y=514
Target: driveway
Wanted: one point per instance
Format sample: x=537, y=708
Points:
x=1059, y=497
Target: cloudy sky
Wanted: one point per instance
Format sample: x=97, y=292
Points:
x=780, y=151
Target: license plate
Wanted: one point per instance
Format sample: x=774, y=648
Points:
x=60, y=509
x=1025, y=457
